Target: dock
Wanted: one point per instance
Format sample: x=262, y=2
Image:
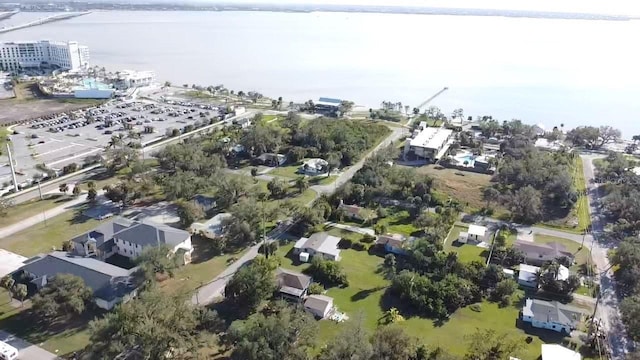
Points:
x=44, y=20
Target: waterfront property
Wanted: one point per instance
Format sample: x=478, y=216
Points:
x=428, y=143
x=19, y=55
x=327, y=106
x=551, y=315
x=320, y=244
x=465, y=160
x=127, y=79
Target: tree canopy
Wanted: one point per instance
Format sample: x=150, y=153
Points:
x=251, y=285
x=64, y=296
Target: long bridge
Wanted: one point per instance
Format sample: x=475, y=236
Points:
x=44, y=20
x=7, y=15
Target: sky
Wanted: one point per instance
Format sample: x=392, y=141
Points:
x=619, y=7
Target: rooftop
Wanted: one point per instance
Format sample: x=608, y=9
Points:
x=543, y=251
x=318, y=302
x=329, y=101
x=291, y=282
x=552, y=311
x=431, y=138
x=320, y=242
x=477, y=230
x=557, y=352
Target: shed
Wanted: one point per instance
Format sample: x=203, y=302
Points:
x=304, y=257
x=477, y=232
x=319, y=305
x=527, y=275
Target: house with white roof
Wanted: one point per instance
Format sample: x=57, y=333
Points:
x=314, y=167
x=475, y=234
x=318, y=244
x=551, y=315
x=527, y=276
x=430, y=144
x=212, y=228
x=558, y=352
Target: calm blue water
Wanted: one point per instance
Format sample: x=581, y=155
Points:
x=539, y=70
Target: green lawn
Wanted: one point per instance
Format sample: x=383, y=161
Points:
x=31, y=208
x=45, y=236
x=322, y=180
x=60, y=339
x=466, y=252
x=582, y=206
x=289, y=171
x=399, y=222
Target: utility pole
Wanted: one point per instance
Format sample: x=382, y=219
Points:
x=13, y=169
x=264, y=233
x=40, y=190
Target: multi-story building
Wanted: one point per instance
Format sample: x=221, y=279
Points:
x=429, y=143
x=18, y=55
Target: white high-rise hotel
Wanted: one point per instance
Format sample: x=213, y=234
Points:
x=17, y=55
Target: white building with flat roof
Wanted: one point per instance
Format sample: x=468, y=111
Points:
x=18, y=55
x=430, y=143
x=127, y=79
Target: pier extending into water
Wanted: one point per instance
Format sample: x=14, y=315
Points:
x=44, y=20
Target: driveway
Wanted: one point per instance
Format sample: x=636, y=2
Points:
x=27, y=351
x=355, y=229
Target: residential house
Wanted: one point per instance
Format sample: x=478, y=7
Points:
x=558, y=352
x=212, y=228
x=321, y=244
x=205, y=202
x=319, y=305
x=475, y=234
x=242, y=123
x=314, y=167
x=395, y=243
x=537, y=254
x=270, y=159
x=356, y=212
x=430, y=144
x=128, y=238
x=292, y=285
x=327, y=106
x=528, y=276
x=551, y=315
x=110, y=284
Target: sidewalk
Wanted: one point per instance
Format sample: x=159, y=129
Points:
x=26, y=350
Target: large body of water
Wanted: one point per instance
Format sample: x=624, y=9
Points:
x=539, y=70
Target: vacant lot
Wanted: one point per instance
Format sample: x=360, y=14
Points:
x=29, y=104
x=399, y=222
x=465, y=187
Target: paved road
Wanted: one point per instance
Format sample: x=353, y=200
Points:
x=27, y=351
x=207, y=293
x=608, y=308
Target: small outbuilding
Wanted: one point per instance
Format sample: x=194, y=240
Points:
x=527, y=275
x=319, y=305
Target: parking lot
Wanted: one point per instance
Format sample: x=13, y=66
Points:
x=72, y=137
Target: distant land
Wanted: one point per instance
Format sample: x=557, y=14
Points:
x=52, y=6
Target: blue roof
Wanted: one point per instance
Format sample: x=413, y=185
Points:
x=330, y=100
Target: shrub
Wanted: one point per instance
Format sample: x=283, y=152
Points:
x=358, y=246
x=368, y=239
x=316, y=288
x=345, y=244
x=505, y=301
x=476, y=307
x=327, y=272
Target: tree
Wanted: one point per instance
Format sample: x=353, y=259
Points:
x=92, y=194
x=287, y=334
x=20, y=291
x=351, y=343
x=315, y=288
x=189, y=212
x=63, y=188
x=277, y=187
x=254, y=172
x=327, y=272
x=5, y=205
x=505, y=287
x=491, y=195
x=391, y=316
x=250, y=285
x=122, y=192
x=156, y=260
x=64, y=296
x=489, y=345
x=526, y=204
x=392, y=343
x=7, y=282
x=333, y=163
x=77, y=190
x=152, y=326
x=302, y=184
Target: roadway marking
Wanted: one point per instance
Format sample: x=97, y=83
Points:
x=52, y=151
x=73, y=157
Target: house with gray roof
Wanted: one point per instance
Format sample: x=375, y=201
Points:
x=291, y=284
x=551, y=315
x=321, y=244
x=128, y=238
x=110, y=284
x=537, y=254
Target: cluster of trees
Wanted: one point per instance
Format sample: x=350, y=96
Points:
x=345, y=140
x=592, y=137
x=328, y=273
x=622, y=194
x=548, y=279
x=283, y=331
x=493, y=128
x=533, y=183
x=627, y=260
x=436, y=283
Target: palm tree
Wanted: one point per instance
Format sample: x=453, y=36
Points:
x=133, y=134
x=302, y=184
x=63, y=188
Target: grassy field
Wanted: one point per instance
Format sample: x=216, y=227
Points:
x=45, y=236
x=366, y=295
x=582, y=206
x=465, y=187
x=32, y=207
x=466, y=252
x=399, y=223
x=289, y=171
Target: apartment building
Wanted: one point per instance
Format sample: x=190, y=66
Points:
x=18, y=55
